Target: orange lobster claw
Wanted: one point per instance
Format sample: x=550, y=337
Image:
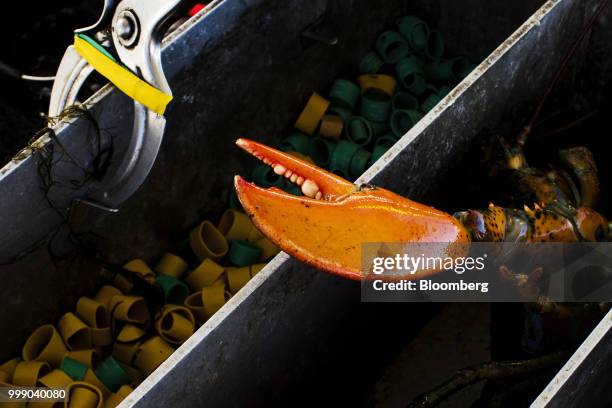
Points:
x=326, y=227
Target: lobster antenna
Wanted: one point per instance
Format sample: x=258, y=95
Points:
x=522, y=138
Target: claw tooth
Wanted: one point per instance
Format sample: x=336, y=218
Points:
x=295, y=177
x=318, y=195
x=279, y=169
x=288, y=173
x=310, y=188
x=299, y=180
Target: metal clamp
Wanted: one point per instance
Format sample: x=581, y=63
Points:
x=131, y=31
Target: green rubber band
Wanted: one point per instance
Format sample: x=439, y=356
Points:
x=97, y=46
x=387, y=140
x=292, y=189
x=375, y=105
x=344, y=113
x=403, y=120
x=341, y=157
x=414, y=30
x=74, y=369
x=175, y=291
x=404, y=100
x=377, y=153
x=370, y=63
x=112, y=375
x=379, y=128
x=392, y=47
x=359, y=131
x=264, y=176
x=344, y=93
x=242, y=253
x=430, y=102
x=446, y=71
x=410, y=74
x=298, y=142
x=321, y=150
x=435, y=45
x=359, y=162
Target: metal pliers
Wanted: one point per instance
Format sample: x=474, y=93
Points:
x=129, y=32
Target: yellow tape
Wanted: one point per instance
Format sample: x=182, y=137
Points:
x=126, y=81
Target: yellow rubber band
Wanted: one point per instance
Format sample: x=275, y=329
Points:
x=268, y=249
x=123, y=283
x=384, y=83
x=235, y=225
x=122, y=78
x=125, y=352
x=310, y=117
x=8, y=367
x=45, y=344
x=92, y=379
x=131, y=309
x=207, y=241
x=256, y=268
x=204, y=275
x=213, y=297
x=88, y=357
x=152, y=353
x=196, y=305
x=105, y=294
x=331, y=127
x=84, y=395
x=171, y=265
x=27, y=373
x=75, y=333
x=139, y=267
x=237, y=278
x=55, y=379
x=176, y=324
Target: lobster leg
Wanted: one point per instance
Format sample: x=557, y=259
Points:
x=326, y=227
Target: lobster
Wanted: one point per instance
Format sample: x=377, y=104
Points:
x=325, y=227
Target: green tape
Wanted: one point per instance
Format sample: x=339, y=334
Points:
x=410, y=74
x=175, y=291
x=298, y=142
x=321, y=150
x=264, y=176
x=375, y=105
x=74, y=369
x=403, y=120
x=112, y=374
x=344, y=93
x=242, y=253
x=392, y=47
x=359, y=131
x=414, y=30
x=97, y=46
x=435, y=45
x=371, y=63
x=341, y=157
x=359, y=162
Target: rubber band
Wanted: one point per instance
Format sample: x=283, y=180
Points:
x=297, y=142
x=255, y=269
x=176, y=324
x=105, y=294
x=371, y=63
x=359, y=131
x=430, y=102
x=344, y=113
x=130, y=333
x=237, y=278
x=8, y=367
x=387, y=140
x=204, y=275
x=151, y=354
x=385, y=83
x=175, y=291
x=131, y=309
x=331, y=127
x=27, y=373
x=195, y=304
x=341, y=158
x=446, y=71
x=134, y=374
x=171, y=265
x=75, y=333
x=310, y=117
x=375, y=105
x=392, y=47
x=55, y=379
x=139, y=267
x=84, y=395
x=122, y=78
x=321, y=150
x=112, y=375
x=123, y=283
x=265, y=176
x=235, y=225
x=213, y=298
x=377, y=153
x=410, y=74
x=414, y=30
x=344, y=93
x=359, y=163
x=95, y=315
x=125, y=352
x=88, y=357
x=242, y=253
x=404, y=100
x=403, y=120
x=44, y=344
x=74, y=369
x=207, y=241
x=255, y=235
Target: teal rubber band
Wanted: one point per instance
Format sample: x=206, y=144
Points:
x=403, y=120
x=404, y=100
x=446, y=71
x=387, y=140
x=410, y=74
x=344, y=93
x=375, y=106
x=341, y=158
x=321, y=150
x=298, y=142
x=414, y=30
x=359, y=162
x=264, y=176
x=377, y=153
x=359, y=131
x=379, y=128
x=430, y=102
x=112, y=375
x=435, y=45
x=392, y=47
x=74, y=369
x=175, y=291
x=344, y=113
x=242, y=253
x=97, y=46
x=370, y=63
